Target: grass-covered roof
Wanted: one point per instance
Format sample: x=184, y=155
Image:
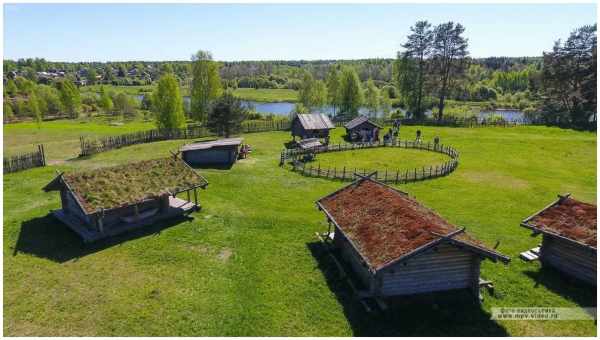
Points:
x=126, y=184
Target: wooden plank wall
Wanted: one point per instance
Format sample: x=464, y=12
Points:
x=569, y=258
x=445, y=269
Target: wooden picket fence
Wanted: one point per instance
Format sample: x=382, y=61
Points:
x=386, y=175
x=93, y=146
x=447, y=122
x=25, y=161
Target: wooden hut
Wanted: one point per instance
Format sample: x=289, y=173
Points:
x=396, y=246
x=568, y=229
x=361, y=129
x=314, y=125
x=309, y=143
x=109, y=201
x=217, y=152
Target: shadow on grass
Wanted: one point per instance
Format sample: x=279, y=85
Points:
x=570, y=288
x=222, y=166
x=49, y=238
x=441, y=314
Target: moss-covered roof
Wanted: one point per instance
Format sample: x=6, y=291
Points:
x=122, y=185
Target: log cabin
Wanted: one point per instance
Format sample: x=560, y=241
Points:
x=104, y=202
x=396, y=246
x=360, y=128
x=314, y=125
x=216, y=152
x=568, y=229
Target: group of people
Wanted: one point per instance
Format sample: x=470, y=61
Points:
x=244, y=151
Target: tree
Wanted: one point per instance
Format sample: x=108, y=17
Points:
x=33, y=108
x=417, y=49
x=105, y=101
x=124, y=104
x=312, y=93
x=569, y=80
x=227, y=115
x=8, y=111
x=372, y=97
x=168, y=104
x=91, y=76
x=69, y=97
x=449, y=53
x=11, y=88
x=146, y=103
x=351, y=96
x=50, y=98
x=333, y=88
x=386, y=103
x=206, y=85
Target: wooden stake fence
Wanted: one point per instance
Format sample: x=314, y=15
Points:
x=25, y=161
x=396, y=177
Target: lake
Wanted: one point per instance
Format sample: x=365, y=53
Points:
x=284, y=109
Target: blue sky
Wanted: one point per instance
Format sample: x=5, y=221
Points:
x=101, y=32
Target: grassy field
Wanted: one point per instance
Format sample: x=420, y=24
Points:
x=61, y=137
x=380, y=159
x=249, y=264
x=267, y=95
x=259, y=95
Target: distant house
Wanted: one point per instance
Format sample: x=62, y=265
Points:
x=216, y=152
x=568, y=229
x=361, y=129
x=109, y=201
x=314, y=125
x=396, y=246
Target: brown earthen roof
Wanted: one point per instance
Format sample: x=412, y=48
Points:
x=385, y=224
x=569, y=218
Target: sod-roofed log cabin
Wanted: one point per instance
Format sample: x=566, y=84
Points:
x=568, y=229
x=361, y=129
x=314, y=125
x=109, y=201
x=216, y=152
x=396, y=246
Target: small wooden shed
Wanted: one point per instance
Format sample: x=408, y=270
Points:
x=309, y=143
x=216, y=152
x=314, y=125
x=568, y=229
x=109, y=201
x=361, y=129
x=396, y=246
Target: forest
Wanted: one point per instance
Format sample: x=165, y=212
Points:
x=557, y=88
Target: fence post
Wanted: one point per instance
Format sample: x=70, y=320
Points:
x=43, y=154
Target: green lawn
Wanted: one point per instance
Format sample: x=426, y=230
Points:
x=61, y=137
x=248, y=263
x=267, y=95
x=380, y=159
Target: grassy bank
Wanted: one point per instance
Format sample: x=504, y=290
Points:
x=259, y=95
x=267, y=95
x=248, y=263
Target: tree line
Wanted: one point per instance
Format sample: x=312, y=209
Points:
x=432, y=72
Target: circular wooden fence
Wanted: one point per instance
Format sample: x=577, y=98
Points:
x=396, y=176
